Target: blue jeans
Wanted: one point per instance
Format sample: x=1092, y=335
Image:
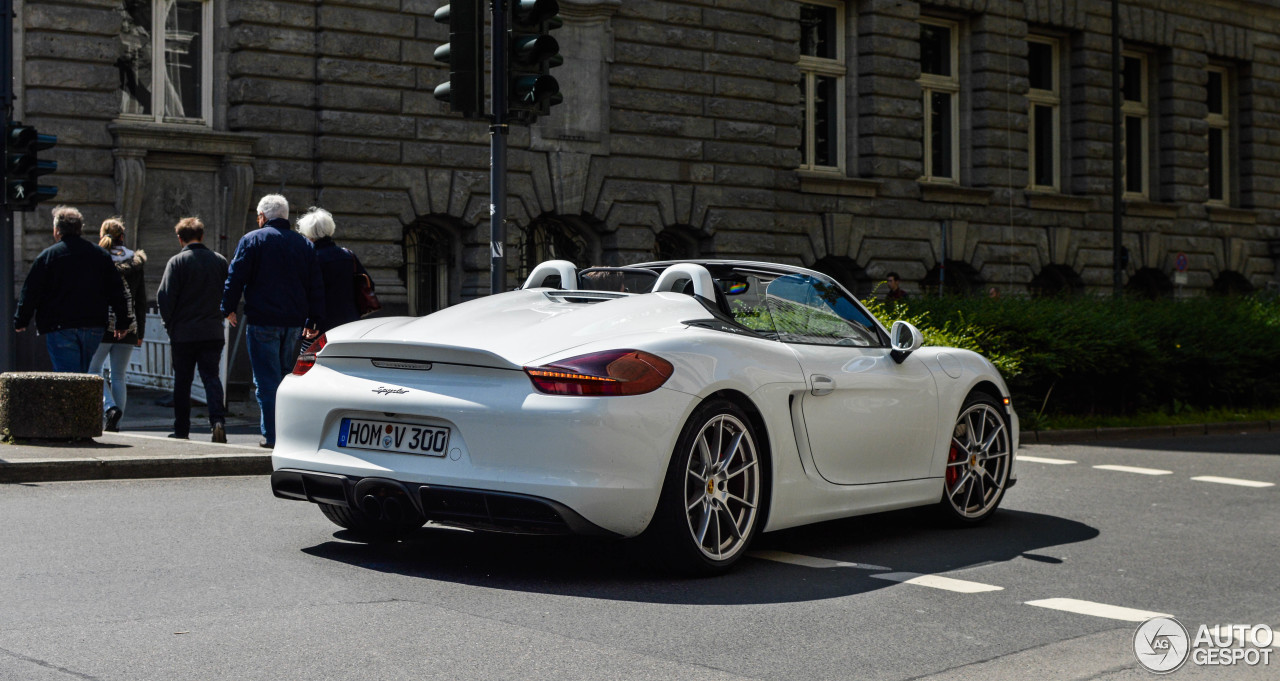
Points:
x=272, y=352
x=72, y=350
x=114, y=391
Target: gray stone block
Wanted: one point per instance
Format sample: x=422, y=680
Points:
x=46, y=405
x=65, y=19
x=372, y=22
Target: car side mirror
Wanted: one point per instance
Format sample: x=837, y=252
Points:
x=905, y=339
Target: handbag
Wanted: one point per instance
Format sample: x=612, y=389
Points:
x=366, y=300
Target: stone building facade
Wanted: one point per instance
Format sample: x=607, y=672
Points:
x=967, y=140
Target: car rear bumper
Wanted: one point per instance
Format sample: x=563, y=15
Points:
x=454, y=506
x=603, y=459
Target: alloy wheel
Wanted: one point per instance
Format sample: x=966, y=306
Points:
x=722, y=487
x=978, y=461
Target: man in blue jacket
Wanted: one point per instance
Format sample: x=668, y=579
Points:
x=275, y=269
x=70, y=285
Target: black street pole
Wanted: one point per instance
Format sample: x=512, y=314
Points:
x=8, y=354
x=498, y=154
x=1117, y=169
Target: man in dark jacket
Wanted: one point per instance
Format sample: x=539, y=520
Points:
x=275, y=269
x=68, y=290
x=189, y=298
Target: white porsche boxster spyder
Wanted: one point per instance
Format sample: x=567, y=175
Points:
x=692, y=404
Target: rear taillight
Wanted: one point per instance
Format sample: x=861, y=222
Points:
x=307, y=359
x=616, y=372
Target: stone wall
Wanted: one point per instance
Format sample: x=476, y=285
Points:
x=683, y=118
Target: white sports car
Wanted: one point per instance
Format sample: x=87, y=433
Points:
x=692, y=404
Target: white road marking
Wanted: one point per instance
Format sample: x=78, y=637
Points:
x=811, y=561
x=938, y=582
x=1041, y=459
x=1114, y=612
x=1233, y=481
x=1134, y=469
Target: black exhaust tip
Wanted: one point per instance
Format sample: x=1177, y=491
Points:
x=371, y=506
x=392, y=511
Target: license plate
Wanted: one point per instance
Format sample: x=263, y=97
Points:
x=389, y=436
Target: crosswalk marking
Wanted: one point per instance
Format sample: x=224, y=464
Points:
x=1134, y=469
x=1041, y=459
x=1233, y=481
x=811, y=561
x=938, y=582
x=1114, y=612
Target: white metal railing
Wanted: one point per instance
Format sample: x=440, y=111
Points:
x=151, y=365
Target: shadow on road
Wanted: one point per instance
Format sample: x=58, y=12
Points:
x=590, y=568
x=1238, y=443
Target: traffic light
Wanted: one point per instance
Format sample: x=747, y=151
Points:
x=22, y=168
x=531, y=54
x=464, y=53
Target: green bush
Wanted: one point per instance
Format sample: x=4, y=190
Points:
x=1090, y=355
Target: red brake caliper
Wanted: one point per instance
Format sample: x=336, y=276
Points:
x=953, y=472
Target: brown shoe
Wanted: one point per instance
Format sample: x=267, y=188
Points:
x=220, y=432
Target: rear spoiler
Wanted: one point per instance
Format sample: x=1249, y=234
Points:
x=411, y=351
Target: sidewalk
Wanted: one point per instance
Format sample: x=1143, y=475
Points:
x=142, y=449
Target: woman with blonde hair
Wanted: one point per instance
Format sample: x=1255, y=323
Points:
x=118, y=351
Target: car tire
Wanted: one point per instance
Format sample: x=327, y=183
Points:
x=978, y=462
x=713, y=496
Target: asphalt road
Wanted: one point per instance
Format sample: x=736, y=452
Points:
x=213, y=578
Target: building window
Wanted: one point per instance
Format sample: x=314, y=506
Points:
x=428, y=250
x=178, y=87
x=1137, y=113
x=549, y=238
x=1218, y=98
x=1044, y=109
x=822, y=74
x=940, y=78
x=676, y=242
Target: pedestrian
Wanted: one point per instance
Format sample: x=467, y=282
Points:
x=114, y=354
x=189, y=297
x=338, y=269
x=276, y=271
x=895, y=290
x=68, y=290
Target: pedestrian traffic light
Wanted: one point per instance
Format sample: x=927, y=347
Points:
x=531, y=54
x=22, y=167
x=464, y=53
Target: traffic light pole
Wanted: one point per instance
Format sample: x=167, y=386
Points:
x=498, y=154
x=8, y=354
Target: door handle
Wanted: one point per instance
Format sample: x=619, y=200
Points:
x=822, y=385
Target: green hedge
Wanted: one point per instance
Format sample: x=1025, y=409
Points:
x=1090, y=355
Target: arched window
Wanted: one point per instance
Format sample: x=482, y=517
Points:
x=844, y=270
x=958, y=278
x=428, y=256
x=550, y=238
x=1149, y=283
x=676, y=243
x=1232, y=283
x=1056, y=280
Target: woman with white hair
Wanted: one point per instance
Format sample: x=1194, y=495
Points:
x=338, y=268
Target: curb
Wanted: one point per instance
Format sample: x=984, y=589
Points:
x=1070, y=436
x=56, y=470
